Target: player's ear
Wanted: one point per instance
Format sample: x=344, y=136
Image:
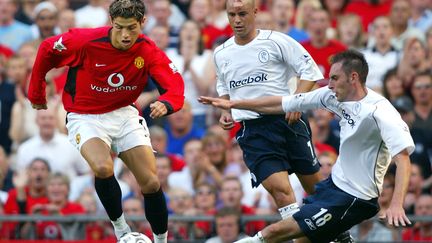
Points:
x=143, y=20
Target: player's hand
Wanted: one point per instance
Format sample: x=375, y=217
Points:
x=226, y=121
x=216, y=102
x=157, y=109
x=395, y=216
x=39, y=106
x=292, y=117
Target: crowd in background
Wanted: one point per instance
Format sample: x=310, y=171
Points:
x=200, y=165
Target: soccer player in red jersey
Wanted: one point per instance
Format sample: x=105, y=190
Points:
x=108, y=69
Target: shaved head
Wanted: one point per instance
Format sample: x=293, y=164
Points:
x=236, y=3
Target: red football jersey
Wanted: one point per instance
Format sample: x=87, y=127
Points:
x=102, y=78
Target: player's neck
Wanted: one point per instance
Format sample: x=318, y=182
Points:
x=245, y=40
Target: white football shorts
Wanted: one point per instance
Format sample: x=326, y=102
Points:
x=121, y=129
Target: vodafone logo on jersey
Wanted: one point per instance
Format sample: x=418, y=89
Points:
x=115, y=80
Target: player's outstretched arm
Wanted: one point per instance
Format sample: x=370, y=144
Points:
x=267, y=105
x=395, y=214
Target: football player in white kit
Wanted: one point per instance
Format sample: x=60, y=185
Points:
x=372, y=135
x=257, y=63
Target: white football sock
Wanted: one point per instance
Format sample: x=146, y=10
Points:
x=162, y=238
x=120, y=227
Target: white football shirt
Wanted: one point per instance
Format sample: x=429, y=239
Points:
x=262, y=67
x=372, y=132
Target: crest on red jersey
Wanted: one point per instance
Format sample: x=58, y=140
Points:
x=139, y=62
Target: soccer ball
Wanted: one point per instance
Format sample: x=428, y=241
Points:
x=134, y=237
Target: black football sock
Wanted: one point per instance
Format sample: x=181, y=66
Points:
x=156, y=211
x=109, y=192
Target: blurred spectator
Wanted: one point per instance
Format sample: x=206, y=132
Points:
x=349, y=31
x=415, y=187
x=326, y=159
x=192, y=62
x=66, y=20
x=180, y=201
x=7, y=99
x=414, y=60
x=17, y=72
x=214, y=162
x=5, y=52
x=30, y=189
x=429, y=45
x=421, y=17
x=264, y=20
x=319, y=46
x=12, y=32
x=94, y=230
x=228, y=226
x=392, y=85
x=199, y=11
x=421, y=91
x=5, y=176
x=46, y=18
x=28, y=51
x=92, y=15
x=399, y=15
x=231, y=194
x=180, y=129
x=23, y=120
x=57, y=192
x=368, y=10
x=283, y=13
x=422, y=231
x=25, y=13
x=161, y=15
x=61, y=5
x=217, y=23
x=382, y=56
x=163, y=169
x=421, y=137
x=160, y=35
x=304, y=10
x=205, y=199
x=159, y=143
x=134, y=207
x=192, y=174
x=372, y=230
x=335, y=8
x=323, y=132
x=52, y=146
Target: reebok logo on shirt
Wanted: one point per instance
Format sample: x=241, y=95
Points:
x=251, y=79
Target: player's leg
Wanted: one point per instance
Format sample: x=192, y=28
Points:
x=308, y=181
x=281, y=231
x=90, y=136
x=142, y=163
x=97, y=153
x=279, y=187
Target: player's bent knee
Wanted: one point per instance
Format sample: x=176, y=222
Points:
x=102, y=170
x=150, y=186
